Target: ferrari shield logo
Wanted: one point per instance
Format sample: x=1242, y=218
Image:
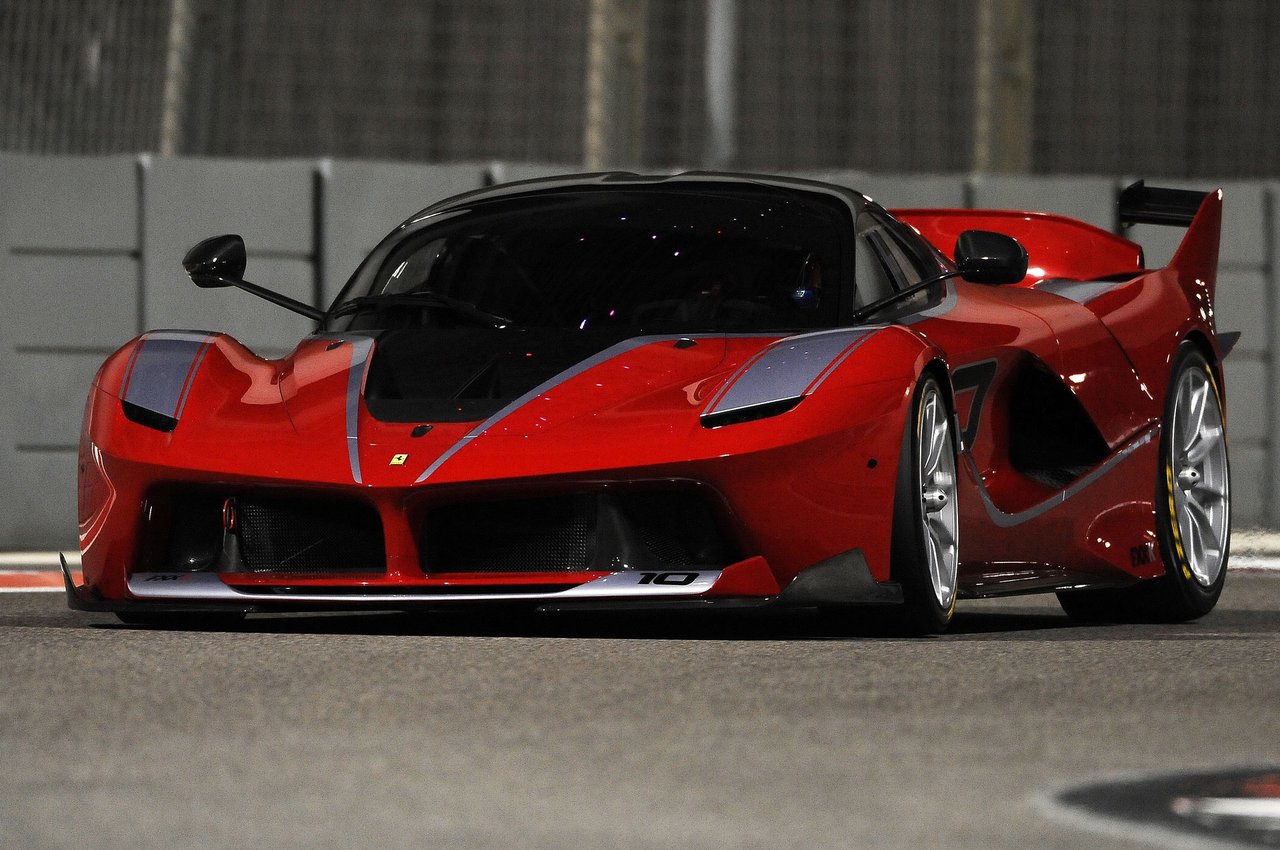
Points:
x=398, y=460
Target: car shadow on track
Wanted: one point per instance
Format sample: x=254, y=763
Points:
x=626, y=625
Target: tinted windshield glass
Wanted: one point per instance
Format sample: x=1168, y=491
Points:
x=648, y=260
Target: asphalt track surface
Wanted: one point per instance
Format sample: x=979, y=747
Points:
x=385, y=731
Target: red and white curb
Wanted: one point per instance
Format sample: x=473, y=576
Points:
x=35, y=572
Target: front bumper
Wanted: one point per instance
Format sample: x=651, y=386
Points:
x=839, y=581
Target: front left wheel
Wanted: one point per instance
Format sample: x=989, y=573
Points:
x=926, y=523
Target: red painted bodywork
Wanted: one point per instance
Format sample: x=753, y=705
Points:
x=792, y=490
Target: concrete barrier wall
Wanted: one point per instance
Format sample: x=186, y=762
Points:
x=90, y=252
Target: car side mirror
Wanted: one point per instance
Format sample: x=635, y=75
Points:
x=220, y=260
x=986, y=257
x=216, y=262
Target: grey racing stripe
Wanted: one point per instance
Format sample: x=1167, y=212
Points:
x=1004, y=520
x=1079, y=291
x=360, y=348
x=787, y=369
x=162, y=369
x=546, y=386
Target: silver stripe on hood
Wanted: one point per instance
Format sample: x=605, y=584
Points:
x=789, y=368
x=360, y=350
x=546, y=386
x=1079, y=291
x=162, y=369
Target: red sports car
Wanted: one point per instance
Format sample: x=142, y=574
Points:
x=699, y=390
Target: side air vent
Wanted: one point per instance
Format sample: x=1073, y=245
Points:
x=148, y=418
x=749, y=414
x=1052, y=440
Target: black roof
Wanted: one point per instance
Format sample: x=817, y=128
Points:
x=855, y=200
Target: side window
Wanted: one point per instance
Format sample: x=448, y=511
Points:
x=873, y=277
x=410, y=270
x=891, y=262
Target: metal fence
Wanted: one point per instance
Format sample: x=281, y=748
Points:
x=1168, y=87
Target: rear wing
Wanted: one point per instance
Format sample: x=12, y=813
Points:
x=1196, y=261
x=1143, y=204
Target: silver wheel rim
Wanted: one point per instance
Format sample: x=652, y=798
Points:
x=1199, y=478
x=937, y=477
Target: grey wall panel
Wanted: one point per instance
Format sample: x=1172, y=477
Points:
x=1248, y=400
x=268, y=330
x=77, y=203
x=69, y=275
x=270, y=204
x=363, y=201
x=1241, y=302
x=1270, y=462
x=1091, y=199
x=39, y=500
x=916, y=190
x=1250, y=486
x=48, y=403
x=510, y=172
x=69, y=301
x=1158, y=242
x=899, y=190
x=1244, y=226
x=850, y=178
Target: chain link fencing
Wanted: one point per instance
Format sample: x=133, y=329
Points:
x=1176, y=88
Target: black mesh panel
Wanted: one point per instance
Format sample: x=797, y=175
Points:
x=306, y=536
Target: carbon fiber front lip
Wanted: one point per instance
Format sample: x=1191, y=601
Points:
x=186, y=588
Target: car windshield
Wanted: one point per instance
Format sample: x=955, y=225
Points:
x=618, y=260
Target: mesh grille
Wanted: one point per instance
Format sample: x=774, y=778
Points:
x=591, y=531
x=521, y=535
x=281, y=536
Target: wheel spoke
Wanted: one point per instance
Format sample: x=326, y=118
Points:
x=1191, y=537
x=929, y=433
x=1209, y=544
x=940, y=533
x=935, y=566
x=1205, y=441
x=1195, y=414
x=940, y=572
x=1207, y=495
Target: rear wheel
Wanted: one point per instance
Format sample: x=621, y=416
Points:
x=1193, y=509
x=926, y=548
x=1193, y=495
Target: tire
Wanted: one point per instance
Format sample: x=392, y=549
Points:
x=1193, y=493
x=1192, y=506
x=925, y=554
x=201, y=621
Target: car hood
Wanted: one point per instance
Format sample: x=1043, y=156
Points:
x=392, y=411
x=408, y=404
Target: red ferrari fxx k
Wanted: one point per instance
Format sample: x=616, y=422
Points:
x=706, y=389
